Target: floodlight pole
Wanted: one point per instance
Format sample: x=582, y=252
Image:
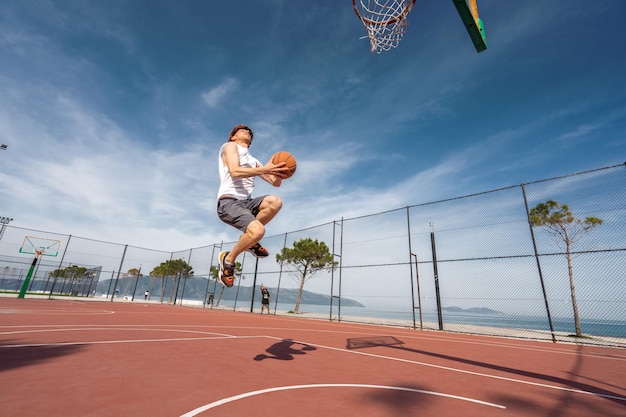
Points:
x=4, y=221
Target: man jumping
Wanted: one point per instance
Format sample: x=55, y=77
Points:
x=235, y=205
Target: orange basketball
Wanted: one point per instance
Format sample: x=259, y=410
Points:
x=288, y=159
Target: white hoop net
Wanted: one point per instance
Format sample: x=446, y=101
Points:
x=385, y=21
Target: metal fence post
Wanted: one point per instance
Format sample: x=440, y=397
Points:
x=256, y=267
x=408, y=225
x=117, y=278
x=280, y=274
x=543, y=287
x=437, y=294
x=60, y=265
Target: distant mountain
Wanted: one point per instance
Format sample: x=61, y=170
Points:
x=471, y=310
x=196, y=289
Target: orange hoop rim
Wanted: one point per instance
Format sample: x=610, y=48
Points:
x=391, y=21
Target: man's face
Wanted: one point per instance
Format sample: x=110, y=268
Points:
x=243, y=137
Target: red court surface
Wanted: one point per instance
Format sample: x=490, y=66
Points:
x=77, y=358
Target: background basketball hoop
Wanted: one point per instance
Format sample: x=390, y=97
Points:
x=39, y=247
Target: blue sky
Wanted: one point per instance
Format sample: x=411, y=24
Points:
x=113, y=111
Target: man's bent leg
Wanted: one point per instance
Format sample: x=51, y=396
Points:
x=253, y=234
x=270, y=206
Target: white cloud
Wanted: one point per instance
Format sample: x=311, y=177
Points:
x=214, y=96
x=72, y=166
x=75, y=171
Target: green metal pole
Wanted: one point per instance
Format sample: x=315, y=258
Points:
x=27, y=280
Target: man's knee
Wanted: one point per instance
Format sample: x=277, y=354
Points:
x=273, y=203
x=256, y=229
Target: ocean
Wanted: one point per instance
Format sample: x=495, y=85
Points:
x=591, y=327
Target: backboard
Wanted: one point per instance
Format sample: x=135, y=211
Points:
x=40, y=246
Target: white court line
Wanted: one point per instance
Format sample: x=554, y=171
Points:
x=212, y=336
x=222, y=336
x=199, y=410
x=111, y=342
x=433, y=337
x=53, y=311
x=545, y=349
x=454, y=338
x=100, y=328
x=502, y=378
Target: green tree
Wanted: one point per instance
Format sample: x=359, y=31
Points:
x=307, y=257
x=75, y=272
x=174, y=268
x=561, y=223
x=134, y=274
x=56, y=274
x=72, y=273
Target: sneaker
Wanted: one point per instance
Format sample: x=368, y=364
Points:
x=259, y=251
x=227, y=271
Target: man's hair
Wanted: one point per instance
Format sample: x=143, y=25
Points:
x=239, y=127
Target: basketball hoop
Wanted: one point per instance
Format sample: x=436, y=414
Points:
x=385, y=21
x=39, y=246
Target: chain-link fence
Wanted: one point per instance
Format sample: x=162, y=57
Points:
x=468, y=264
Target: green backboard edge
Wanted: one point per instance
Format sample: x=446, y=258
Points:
x=476, y=31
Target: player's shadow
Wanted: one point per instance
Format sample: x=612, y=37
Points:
x=393, y=343
x=16, y=357
x=285, y=350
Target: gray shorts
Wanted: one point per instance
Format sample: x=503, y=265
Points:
x=239, y=213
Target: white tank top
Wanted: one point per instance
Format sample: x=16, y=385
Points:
x=240, y=188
